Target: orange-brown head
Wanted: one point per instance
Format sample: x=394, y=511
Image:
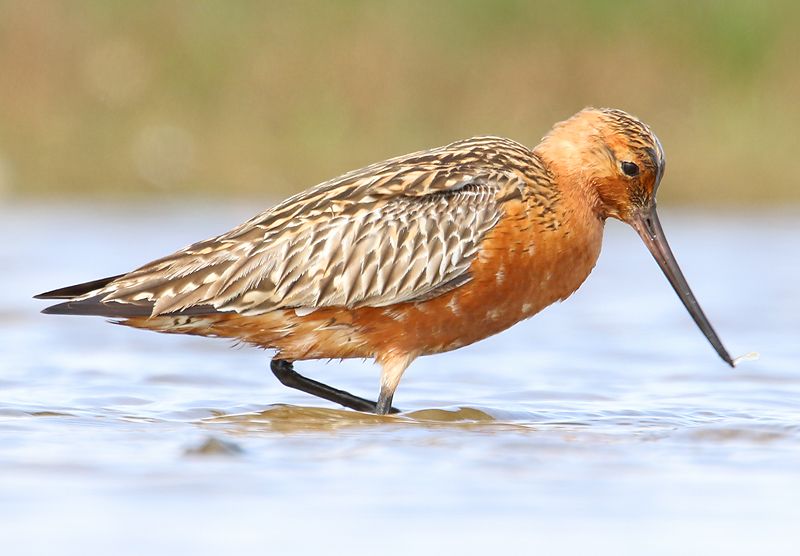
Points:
x=616, y=162
x=614, y=157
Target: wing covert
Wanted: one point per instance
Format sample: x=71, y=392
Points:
x=400, y=231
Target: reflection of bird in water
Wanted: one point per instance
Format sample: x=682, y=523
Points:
x=416, y=255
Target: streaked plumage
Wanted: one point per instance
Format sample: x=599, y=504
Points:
x=419, y=254
x=403, y=230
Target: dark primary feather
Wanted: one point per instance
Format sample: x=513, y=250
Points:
x=95, y=306
x=69, y=292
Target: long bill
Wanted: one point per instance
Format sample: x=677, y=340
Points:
x=646, y=223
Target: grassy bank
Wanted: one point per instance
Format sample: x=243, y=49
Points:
x=109, y=98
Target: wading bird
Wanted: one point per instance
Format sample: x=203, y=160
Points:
x=420, y=254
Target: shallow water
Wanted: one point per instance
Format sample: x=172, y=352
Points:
x=605, y=424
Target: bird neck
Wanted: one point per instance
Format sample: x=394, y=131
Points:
x=573, y=173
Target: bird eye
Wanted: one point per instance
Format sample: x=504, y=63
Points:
x=630, y=169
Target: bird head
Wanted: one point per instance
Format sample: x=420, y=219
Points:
x=616, y=162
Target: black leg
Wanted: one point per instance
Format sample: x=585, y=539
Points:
x=384, y=405
x=289, y=377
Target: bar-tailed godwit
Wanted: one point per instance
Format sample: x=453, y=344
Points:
x=420, y=254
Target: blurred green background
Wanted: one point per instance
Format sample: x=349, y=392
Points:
x=254, y=98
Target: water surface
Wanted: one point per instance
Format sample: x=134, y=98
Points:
x=606, y=424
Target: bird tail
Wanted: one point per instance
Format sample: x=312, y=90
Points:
x=81, y=302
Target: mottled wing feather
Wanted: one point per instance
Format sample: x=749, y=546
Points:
x=372, y=257
x=406, y=229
